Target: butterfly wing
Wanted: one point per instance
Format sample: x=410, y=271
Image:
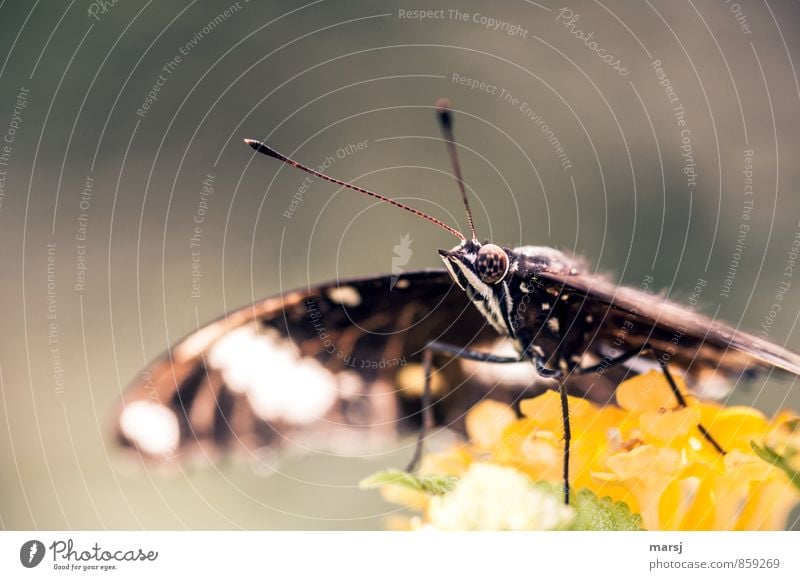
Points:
x=630, y=318
x=333, y=366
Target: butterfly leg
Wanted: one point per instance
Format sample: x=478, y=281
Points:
x=545, y=372
x=561, y=377
x=425, y=406
x=562, y=391
x=469, y=354
x=647, y=349
x=427, y=365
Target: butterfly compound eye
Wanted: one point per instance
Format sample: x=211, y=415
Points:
x=491, y=263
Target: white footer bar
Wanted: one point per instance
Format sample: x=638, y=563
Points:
x=399, y=555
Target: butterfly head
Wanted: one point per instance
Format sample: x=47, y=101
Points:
x=477, y=268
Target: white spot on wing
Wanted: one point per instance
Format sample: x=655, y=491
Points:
x=346, y=295
x=153, y=428
x=279, y=384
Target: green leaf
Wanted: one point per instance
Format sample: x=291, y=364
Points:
x=772, y=457
x=602, y=514
x=593, y=513
x=766, y=453
x=429, y=484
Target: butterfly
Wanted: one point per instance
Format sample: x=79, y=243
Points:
x=363, y=361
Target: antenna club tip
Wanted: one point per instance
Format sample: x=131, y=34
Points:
x=262, y=148
x=444, y=105
x=444, y=110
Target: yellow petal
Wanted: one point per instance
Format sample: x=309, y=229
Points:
x=768, y=505
x=744, y=466
x=546, y=410
x=455, y=462
x=735, y=427
x=648, y=392
x=671, y=507
x=648, y=472
x=508, y=451
x=541, y=456
x=487, y=421
x=644, y=462
x=733, y=487
x=699, y=514
x=784, y=436
x=669, y=426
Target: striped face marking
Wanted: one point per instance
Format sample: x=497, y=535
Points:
x=464, y=263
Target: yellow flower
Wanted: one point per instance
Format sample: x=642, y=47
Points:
x=646, y=451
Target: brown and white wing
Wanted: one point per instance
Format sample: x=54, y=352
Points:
x=691, y=340
x=331, y=366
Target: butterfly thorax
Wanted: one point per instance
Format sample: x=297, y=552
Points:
x=543, y=319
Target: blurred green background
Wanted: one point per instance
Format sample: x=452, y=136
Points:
x=314, y=79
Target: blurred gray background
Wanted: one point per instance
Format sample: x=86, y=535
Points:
x=322, y=77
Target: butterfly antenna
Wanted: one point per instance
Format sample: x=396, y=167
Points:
x=445, y=113
x=267, y=150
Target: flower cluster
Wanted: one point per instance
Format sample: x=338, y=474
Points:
x=647, y=452
x=491, y=497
